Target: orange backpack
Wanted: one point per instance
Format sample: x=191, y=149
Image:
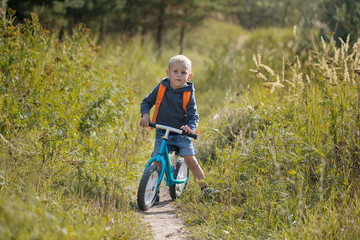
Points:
x=159, y=98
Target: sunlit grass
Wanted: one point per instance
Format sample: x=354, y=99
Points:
x=282, y=154
x=69, y=144
x=280, y=141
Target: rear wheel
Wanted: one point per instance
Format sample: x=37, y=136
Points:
x=181, y=172
x=147, y=188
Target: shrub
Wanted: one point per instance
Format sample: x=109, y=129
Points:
x=284, y=154
x=68, y=149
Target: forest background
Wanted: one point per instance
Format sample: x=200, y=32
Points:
x=277, y=90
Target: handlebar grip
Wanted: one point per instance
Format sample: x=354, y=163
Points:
x=192, y=135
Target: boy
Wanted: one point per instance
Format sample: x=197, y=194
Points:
x=171, y=113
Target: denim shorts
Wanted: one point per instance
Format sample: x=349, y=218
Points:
x=184, y=143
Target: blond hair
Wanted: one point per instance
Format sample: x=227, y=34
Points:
x=180, y=59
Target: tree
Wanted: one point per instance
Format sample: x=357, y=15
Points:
x=155, y=16
x=65, y=14
x=343, y=18
x=262, y=13
x=188, y=14
x=160, y=24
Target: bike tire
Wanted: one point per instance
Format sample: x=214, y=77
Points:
x=147, y=191
x=181, y=171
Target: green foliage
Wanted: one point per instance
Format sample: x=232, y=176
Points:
x=264, y=13
x=284, y=153
x=156, y=17
x=45, y=219
x=68, y=150
x=279, y=133
x=227, y=60
x=342, y=18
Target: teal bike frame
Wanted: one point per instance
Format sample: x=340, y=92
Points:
x=163, y=158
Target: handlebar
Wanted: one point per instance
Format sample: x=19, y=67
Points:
x=171, y=129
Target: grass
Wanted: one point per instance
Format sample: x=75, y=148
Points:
x=279, y=134
x=282, y=154
x=69, y=155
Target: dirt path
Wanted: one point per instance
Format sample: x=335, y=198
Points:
x=163, y=220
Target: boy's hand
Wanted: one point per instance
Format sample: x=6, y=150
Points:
x=186, y=129
x=145, y=119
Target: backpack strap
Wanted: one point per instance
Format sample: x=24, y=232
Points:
x=186, y=99
x=159, y=97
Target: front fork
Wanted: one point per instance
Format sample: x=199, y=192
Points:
x=166, y=169
x=158, y=158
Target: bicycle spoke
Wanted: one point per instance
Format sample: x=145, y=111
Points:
x=147, y=187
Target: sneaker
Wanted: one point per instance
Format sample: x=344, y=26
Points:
x=157, y=197
x=209, y=192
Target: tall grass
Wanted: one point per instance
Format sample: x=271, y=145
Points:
x=68, y=143
x=281, y=146
x=285, y=152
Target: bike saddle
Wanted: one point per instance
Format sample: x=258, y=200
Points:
x=174, y=149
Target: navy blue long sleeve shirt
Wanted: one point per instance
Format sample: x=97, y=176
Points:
x=171, y=112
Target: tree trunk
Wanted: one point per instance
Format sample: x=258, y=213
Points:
x=182, y=37
x=284, y=19
x=160, y=27
x=127, y=28
x=143, y=29
x=102, y=29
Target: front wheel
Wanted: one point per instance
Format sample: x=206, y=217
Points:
x=147, y=188
x=181, y=171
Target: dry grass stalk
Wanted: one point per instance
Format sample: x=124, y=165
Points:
x=283, y=70
x=294, y=31
x=255, y=61
x=337, y=55
x=267, y=68
x=26, y=153
x=323, y=43
x=298, y=61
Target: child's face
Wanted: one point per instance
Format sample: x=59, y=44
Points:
x=178, y=74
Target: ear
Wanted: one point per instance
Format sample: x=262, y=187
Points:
x=167, y=73
x=190, y=76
